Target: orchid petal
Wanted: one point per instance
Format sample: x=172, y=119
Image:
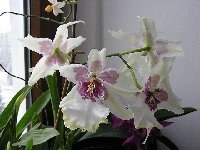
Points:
x=167, y=49
x=96, y=60
x=117, y=100
x=38, y=45
x=163, y=67
x=117, y=108
x=56, y=11
x=41, y=70
x=60, y=4
x=173, y=103
x=73, y=43
x=69, y=98
x=130, y=140
x=52, y=1
x=109, y=75
x=62, y=33
x=132, y=61
x=74, y=72
x=133, y=39
x=148, y=29
x=125, y=82
x=83, y=114
x=117, y=79
x=143, y=116
x=126, y=97
x=141, y=65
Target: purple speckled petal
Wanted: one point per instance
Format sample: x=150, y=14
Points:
x=109, y=75
x=81, y=73
x=96, y=66
x=75, y=72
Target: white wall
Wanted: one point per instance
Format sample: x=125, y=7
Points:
x=176, y=20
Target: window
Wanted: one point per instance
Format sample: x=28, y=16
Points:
x=12, y=53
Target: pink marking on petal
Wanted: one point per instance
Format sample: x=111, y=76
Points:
x=161, y=47
x=64, y=47
x=81, y=73
x=155, y=97
x=96, y=66
x=55, y=59
x=109, y=76
x=161, y=95
x=46, y=47
x=151, y=83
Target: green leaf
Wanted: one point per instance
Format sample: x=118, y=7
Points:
x=55, y=98
x=29, y=145
x=163, y=114
x=35, y=119
x=8, y=134
x=36, y=126
x=36, y=107
x=7, y=112
x=167, y=142
x=38, y=136
x=55, y=101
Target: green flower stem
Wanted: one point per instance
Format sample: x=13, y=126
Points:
x=126, y=52
x=42, y=18
x=130, y=51
x=132, y=73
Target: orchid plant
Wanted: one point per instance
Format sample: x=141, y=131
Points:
x=136, y=97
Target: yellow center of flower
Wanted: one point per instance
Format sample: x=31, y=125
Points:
x=49, y=8
x=91, y=86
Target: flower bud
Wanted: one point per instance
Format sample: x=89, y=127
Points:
x=49, y=8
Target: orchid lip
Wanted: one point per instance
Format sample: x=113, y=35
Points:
x=155, y=97
x=92, y=90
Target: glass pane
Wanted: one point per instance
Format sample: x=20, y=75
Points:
x=12, y=54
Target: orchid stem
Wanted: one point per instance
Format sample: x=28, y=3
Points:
x=130, y=51
x=10, y=73
x=132, y=73
x=66, y=83
x=126, y=52
x=42, y=18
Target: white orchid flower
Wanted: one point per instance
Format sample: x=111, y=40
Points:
x=160, y=48
x=56, y=7
x=155, y=94
x=95, y=94
x=54, y=52
x=156, y=86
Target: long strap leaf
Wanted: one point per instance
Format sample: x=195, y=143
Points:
x=163, y=114
x=55, y=99
x=36, y=107
x=18, y=98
